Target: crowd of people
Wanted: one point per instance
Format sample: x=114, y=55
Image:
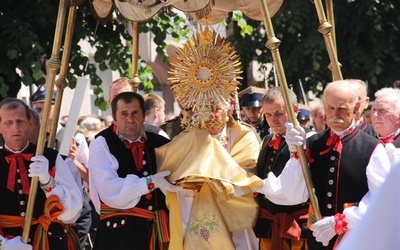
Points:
x=139, y=178
x=252, y=196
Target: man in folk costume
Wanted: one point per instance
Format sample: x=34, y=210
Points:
x=58, y=200
x=76, y=161
x=124, y=183
x=274, y=154
x=213, y=157
x=385, y=115
x=347, y=166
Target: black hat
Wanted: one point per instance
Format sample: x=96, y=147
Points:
x=251, y=96
x=303, y=114
x=40, y=95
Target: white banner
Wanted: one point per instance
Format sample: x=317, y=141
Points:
x=76, y=105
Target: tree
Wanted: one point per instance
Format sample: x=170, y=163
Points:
x=27, y=34
x=367, y=37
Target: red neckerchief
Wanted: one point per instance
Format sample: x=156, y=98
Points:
x=137, y=149
x=275, y=142
x=387, y=139
x=18, y=160
x=334, y=141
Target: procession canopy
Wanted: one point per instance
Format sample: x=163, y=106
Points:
x=202, y=11
x=138, y=10
x=222, y=8
x=101, y=10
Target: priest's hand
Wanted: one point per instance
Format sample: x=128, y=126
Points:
x=14, y=243
x=40, y=168
x=324, y=230
x=163, y=184
x=294, y=137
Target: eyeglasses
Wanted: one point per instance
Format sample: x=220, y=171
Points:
x=38, y=109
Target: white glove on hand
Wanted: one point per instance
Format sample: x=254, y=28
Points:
x=15, y=243
x=324, y=230
x=40, y=168
x=294, y=137
x=162, y=183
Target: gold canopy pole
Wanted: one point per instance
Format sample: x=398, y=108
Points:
x=61, y=82
x=273, y=45
x=331, y=20
x=325, y=28
x=53, y=64
x=135, y=81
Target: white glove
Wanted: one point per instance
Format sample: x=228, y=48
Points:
x=162, y=183
x=324, y=230
x=15, y=243
x=40, y=168
x=294, y=137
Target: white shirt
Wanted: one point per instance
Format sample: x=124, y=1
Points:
x=378, y=229
x=104, y=182
x=68, y=191
x=290, y=187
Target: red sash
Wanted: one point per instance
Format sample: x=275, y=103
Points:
x=52, y=209
x=284, y=225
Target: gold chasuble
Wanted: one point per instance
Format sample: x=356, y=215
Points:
x=199, y=162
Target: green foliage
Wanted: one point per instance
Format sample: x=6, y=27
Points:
x=146, y=76
x=100, y=101
x=162, y=25
x=241, y=21
x=367, y=38
x=3, y=89
x=27, y=33
x=24, y=36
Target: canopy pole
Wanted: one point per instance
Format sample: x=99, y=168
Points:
x=273, y=45
x=53, y=64
x=135, y=81
x=61, y=83
x=325, y=28
x=331, y=20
